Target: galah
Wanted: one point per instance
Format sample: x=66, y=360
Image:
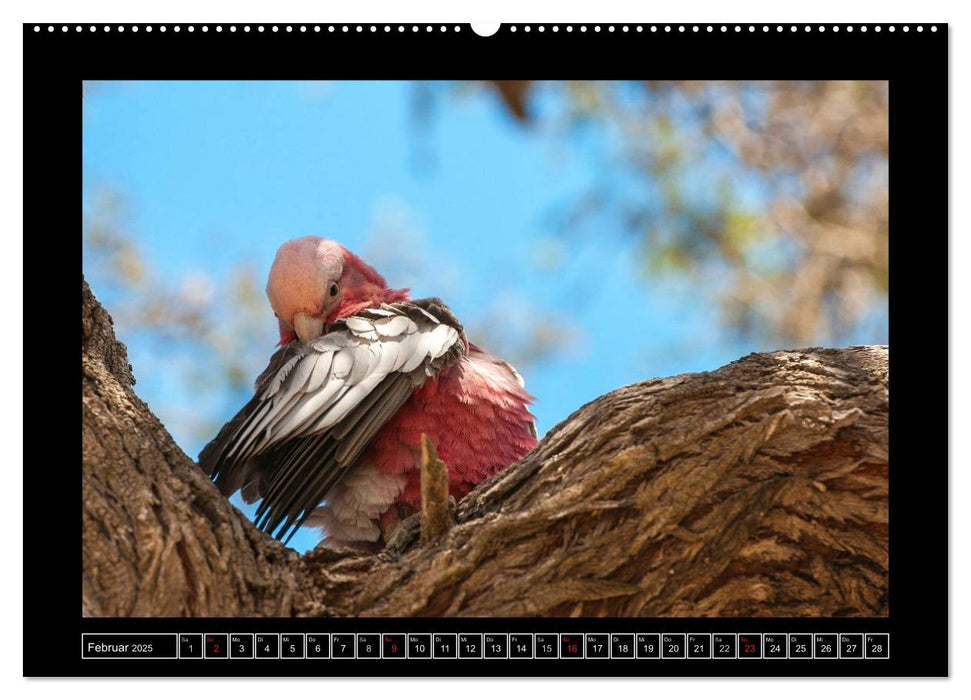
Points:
x=332, y=436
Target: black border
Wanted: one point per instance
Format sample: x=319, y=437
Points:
x=915, y=63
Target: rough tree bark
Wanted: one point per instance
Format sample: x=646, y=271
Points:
x=759, y=489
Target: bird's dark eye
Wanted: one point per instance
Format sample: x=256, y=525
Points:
x=334, y=290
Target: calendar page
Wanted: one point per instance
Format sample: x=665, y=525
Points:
x=466, y=349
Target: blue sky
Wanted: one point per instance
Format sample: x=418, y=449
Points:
x=218, y=174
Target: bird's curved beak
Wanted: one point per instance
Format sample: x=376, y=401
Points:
x=307, y=328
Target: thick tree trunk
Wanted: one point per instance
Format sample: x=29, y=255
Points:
x=759, y=489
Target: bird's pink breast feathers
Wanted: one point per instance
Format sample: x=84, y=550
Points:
x=474, y=412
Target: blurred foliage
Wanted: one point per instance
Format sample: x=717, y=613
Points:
x=772, y=194
x=191, y=324
x=523, y=333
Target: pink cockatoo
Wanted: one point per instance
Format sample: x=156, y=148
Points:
x=332, y=437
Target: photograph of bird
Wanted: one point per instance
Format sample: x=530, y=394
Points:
x=332, y=436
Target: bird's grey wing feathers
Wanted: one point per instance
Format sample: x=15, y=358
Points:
x=318, y=406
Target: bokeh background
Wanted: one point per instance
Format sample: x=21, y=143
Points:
x=593, y=233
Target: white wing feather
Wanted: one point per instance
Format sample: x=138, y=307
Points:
x=329, y=377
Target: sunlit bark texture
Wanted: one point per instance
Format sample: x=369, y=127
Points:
x=758, y=489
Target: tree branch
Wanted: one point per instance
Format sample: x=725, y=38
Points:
x=759, y=489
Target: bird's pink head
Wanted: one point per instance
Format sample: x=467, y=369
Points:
x=314, y=281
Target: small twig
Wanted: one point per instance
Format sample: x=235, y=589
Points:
x=434, y=493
